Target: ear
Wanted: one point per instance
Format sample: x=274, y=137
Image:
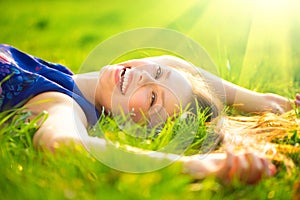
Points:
x=211, y=108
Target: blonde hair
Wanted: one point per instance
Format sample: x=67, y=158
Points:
x=261, y=132
x=256, y=132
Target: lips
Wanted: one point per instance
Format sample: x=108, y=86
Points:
x=123, y=78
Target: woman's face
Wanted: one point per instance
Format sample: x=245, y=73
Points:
x=143, y=89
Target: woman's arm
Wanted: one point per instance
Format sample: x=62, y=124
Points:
x=231, y=94
x=247, y=100
x=66, y=122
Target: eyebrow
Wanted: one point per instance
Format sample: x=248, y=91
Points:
x=168, y=74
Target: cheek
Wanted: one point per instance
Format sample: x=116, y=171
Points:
x=105, y=96
x=105, y=99
x=105, y=89
x=173, y=105
x=105, y=81
x=138, y=105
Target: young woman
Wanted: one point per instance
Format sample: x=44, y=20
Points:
x=149, y=90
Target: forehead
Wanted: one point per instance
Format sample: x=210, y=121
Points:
x=177, y=85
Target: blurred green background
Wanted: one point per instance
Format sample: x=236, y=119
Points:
x=254, y=43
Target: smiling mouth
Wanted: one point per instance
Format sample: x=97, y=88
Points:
x=124, y=79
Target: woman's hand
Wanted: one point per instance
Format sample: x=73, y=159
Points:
x=297, y=100
x=277, y=103
x=246, y=167
x=281, y=104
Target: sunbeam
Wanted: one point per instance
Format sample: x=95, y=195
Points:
x=268, y=45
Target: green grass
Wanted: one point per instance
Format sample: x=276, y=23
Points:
x=253, y=44
x=75, y=174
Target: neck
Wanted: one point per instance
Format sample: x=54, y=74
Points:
x=87, y=84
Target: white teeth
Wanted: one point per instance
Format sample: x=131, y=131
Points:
x=125, y=81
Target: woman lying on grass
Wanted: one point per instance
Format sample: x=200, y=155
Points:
x=149, y=90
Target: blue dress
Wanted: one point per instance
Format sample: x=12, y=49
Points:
x=23, y=76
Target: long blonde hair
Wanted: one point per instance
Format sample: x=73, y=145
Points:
x=263, y=133
x=256, y=132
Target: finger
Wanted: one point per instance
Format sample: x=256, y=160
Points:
x=233, y=170
x=256, y=169
x=240, y=168
x=269, y=168
x=230, y=164
x=273, y=169
x=249, y=168
x=229, y=158
x=244, y=164
x=297, y=102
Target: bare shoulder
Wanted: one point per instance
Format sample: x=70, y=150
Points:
x=48, y=98
x=54, y=103
x=64, y=121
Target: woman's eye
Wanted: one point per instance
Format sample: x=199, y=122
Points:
x=153, y=99
x=158, y=72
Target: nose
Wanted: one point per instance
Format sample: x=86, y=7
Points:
x=145, y=78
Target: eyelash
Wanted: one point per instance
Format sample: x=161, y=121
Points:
x=158, y=72
x=153, y=94
x=153, y=99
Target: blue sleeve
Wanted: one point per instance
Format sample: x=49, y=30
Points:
x=23, y=76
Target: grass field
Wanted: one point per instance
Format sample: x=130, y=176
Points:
x=255, y=44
